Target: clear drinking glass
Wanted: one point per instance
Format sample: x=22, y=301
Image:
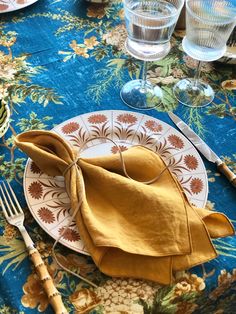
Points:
x=209, y=24
x=150, y=25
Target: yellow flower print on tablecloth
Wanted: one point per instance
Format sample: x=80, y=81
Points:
x=121, y=14
x=8, y=39
x=225, y=281
x=120, y=295
x=187, y=287
x=96, y=10
x=7, y=71
x=186, y=283
x=116, y=37
x=91, y=42
x=76, y=262
x=16, y=76
x=84, y=300
x=210, y=205
x=34, y=295
x=10, y=232
x=8, y=66
x=45, y=249
x=80, y=49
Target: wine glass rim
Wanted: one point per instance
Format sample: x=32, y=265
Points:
x=229, y=20
x=126, y=5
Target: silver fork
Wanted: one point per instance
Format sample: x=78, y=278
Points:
x=15, y=216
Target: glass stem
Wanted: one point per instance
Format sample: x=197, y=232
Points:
x=197, y=73
x=144, y=76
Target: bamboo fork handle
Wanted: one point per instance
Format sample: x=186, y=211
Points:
x=47, y=282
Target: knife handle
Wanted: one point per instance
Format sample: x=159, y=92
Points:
x=224, y=169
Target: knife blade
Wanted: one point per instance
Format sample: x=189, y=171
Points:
x=203, y=148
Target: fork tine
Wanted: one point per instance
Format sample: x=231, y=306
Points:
x=14, y=196
x=6, y=201
x=11, y=208
x=4, y=208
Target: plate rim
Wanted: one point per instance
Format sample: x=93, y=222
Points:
x=17, y=7
x=41, y=225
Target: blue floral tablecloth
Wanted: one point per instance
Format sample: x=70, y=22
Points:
x=59, y=59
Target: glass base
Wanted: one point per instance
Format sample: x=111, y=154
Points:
x=193, y=94
x=136, y=96
x=147, y=52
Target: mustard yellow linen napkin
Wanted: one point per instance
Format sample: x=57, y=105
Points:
x=130, y=229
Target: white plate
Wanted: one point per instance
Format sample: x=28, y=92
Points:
x=13, y=5
x=46, y=196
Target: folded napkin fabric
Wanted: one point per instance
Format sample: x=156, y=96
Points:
x=131, y=229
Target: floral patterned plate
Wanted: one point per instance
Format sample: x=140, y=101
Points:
x=46, y=196
x=13, y=5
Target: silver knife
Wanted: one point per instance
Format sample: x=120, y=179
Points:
x=203, y=148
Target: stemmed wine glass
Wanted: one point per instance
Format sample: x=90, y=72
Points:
x=209, y=24
x=150, y=25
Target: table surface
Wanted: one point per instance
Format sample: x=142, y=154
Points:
x=65, y=58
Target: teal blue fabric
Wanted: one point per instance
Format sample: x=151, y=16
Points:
x=70, y=84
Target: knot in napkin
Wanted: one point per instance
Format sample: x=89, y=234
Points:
x=130, y=229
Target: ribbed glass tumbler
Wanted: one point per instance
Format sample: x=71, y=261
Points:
x=209, y=24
